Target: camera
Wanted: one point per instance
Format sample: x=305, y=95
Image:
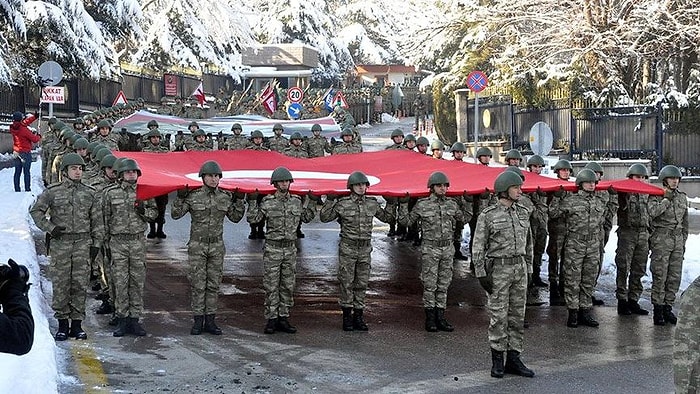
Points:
x=14, y=271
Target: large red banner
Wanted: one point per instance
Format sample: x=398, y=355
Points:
x=391, y=173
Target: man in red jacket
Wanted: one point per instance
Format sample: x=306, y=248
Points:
x=23, y=139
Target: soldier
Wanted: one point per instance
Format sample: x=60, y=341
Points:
x=237, y=141
x=410, y=142
x=283, y=212
x=69, y=212
x=397, y=138
x=79, y=127
x=56, y=173
x=557, y=230
x=317, y=145
x=156, y=226
x=278, y=143
x=348, y=146
x=585, y=213
x=49, y=141
x=104, y=135
x=502, y=256
x=514, y=158
x=538, y=222
x=422, y=144
x=419, y=112
x=207, y=207
x=484, y=155
x=632, y=245
x=668, y=215
x=686, y=341
x=200, y=142
x=180, y=140
x=295, y=147
x=257, y=230
x=436, y=149
x=438, y=215
x=458, y=151
x=355, y=214
x=125, y=218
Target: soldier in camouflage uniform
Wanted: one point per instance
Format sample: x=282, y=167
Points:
x=538, y=222
x=70, y=147
x=686, y=341
x=502, y=255
x=668, y=215
x=79, y=127
x=317, y=145
x=180, y=140
x=257, y=230
x=355, y=214
x=348, y=145
x=437, y=148
x=237, y=141
x=422, y=144
x=484, y=155
x=57, y=149
x=278, y=143
x=557, y=229
x=410, y=142
x=514, y=158
x=105, y=136
x=481, y=201
x=207, y=207
x=458, y=151
x=154, y=146
x=419, y=111
x=438, y=216
x=283, y=212
x=632, y=245
x=49, y=140
x=125, y=219
x=397, y=138
x=295, y=147
x=585, y=214
x=200, y=142
x=70, y=213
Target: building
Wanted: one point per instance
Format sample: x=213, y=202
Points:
x=388, y=74
x=290, y=64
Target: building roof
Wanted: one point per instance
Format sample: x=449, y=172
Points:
x=385, y=69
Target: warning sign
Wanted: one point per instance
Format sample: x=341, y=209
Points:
x=53, y=95
x=120, y=99
x=339, y=99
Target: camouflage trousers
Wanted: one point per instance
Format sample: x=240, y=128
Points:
x=129, y=275
x=506, y=305
x=604, y=237
x=686, y=341
x=45, y=163
x=631, y=260
x=555, y=253
x=70, y=274
x=539, y=242
x=161, y=204
x=667, y=250
x=206, y=270
x=436, y=273
x=580, y=270
x=280, y=264
x=354, y=265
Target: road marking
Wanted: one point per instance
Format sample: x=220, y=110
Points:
x=88, y=366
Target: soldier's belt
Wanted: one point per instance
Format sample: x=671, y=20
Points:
x=356, y=242
x=72, y=236
x=507, y=260
x=585, y=238
x=209, y=240
x=634, y=228
x=283, y=243
x=442, y=243
x=127, y=237
x=668, y=231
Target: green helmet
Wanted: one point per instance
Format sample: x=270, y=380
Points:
x=129, y=165
x=281, y=174
x=96, y=149
x=104, y=123
x=198, y=132
x=277, y=126
x=438, y=178
x=210, y=167
x=118, y=163
x=594, y=166
x=154, y=133
x=562, y=165
x=409, y=137
x=100, y=154
x=437, y=145
x=236, y=126
x=108, y=161
x=78, y=121
x=586, y=175
x=458, y=147
x=357, y=177
x=295, y=136
x=397, y=133
x=80, y=143
x=193, y=123
x=152, y=123
x=422, y=141
x=52, y=121
x=91, y=147
x=669, y=171
x=516, y=170
x=514, y=154
x=74, y=138
x=256, y=134
x=316, y=127
x=66, y=133
x=638, y=169
x=58, y=125
x=347, y=132
x=484, y=151
x=535, y=160
x=72, y=159
x=505, y=180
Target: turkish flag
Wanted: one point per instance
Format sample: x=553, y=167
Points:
x=269, y=101
x=199, y=94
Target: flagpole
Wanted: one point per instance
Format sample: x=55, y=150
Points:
x=245, y=92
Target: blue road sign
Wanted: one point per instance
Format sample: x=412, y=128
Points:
x=477, y=81
x=294, y=110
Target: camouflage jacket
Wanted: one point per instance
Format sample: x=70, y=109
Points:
x=197, y=146
x=317, y=146
x=180, y=142
x=584, y=212
x=119, y=211
x=396, y=146
x=501, y=232
x=438, y=217
x=669, y=214
x=296, y=151
x=257, y=147
x=69, y=204
x=278, y=144
x=283, y=211
x=111, y=141
x=633, y=211
x=237, y=142
x=356, y=214
x=540, y=213
x=346, y=148
x=160, y=148
x=207, y=208
x=611, y=204
x=686, y=341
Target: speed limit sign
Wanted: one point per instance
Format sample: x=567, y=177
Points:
x=295, y=94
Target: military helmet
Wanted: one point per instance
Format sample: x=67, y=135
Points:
x=66, y=133
x=277, y=126
x=210, y=167
x=562, y=164
x=422, y=141
x=594, y=166
x=516, y=170
x=100, y=154
x=193, y=123
x=78, y=121
x=505, y=180
x=438, y=178
x=96, y=149
x=669, y=171
x=514, y=154
x=397, y=133
x=316, y=127
x=118, y=163
x=236, y=126
x=347, y=132
x=152, y=123
x=295, y=136
x=129, y=165
x=535, y=160
x=437, y=145
x=52, y=121
x=458, y=147
x=58, y=125
x=586, y=175
x=357, y=177
x=281, y=174
x=256, y=134
x=484, y=151
x=74, y=138
x=80, y=143
x=153, y=133
x=638, y=169
x=91, y=146
x=409, y=137
x=104, y=123
x=72, y=159
x=199, y=132
x=108, y=161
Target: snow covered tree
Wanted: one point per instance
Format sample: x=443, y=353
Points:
x=12, y=29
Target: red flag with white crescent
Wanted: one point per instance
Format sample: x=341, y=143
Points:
x=199, y=94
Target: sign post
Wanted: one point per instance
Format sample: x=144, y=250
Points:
x=50, y=74
x=476, y=82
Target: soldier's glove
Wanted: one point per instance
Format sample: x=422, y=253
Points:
x=251, y=196
x=182, y=193
x=313, y=197
x=94, y=250
x=541, y=192
x=485, y=195
x=140, y=207
x=405, y=199
x=57, y=231
x=15, y=276
x=668, y=193
x=238, y=195
x=467, y=197
x=487, y=283
x=559, y=193
x=331, y=197
x=611, y=190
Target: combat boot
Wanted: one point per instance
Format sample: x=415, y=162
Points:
x=440, y=321
x=159, y=231
x=197, y=326
x=105, y=309
x=347, y=319
x=555, y=298
x=358, y=322
x=76, y=331
x=270, y=326
x=151, y=230
x=210, y=326
x=430, y=324
x=623, y=308
x=659, y=315
x=497, y=369
x=284, y=326
x=585, y=318
x=62, y=333
x=136, y=328
x=572, y=321
x=636, y=309
x=668, y=314
x=515, y=366
x=122, y=327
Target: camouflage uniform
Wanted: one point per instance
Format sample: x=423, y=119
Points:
x=49, y=140
x=180, y=141
x=346, y=148
x=317, y=146
x=237, y=142
x=632, y=245
x=295, y=151
x=686, y=341
x=278, y=143
x=538, y=228
x=156, y=225
x=199, y=146
x=610, y=202
x=111, y=141
x=557, y=229
x=260, y=147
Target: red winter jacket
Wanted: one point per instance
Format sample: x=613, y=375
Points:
x=22, y=137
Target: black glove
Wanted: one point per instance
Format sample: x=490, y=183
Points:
x=182, y=193
x=487, y=283
x=405, y=199
x=485, y=195
x=559, y=193
x=467, y=197
x=668, y=193
x=313, y=197
x=541, y=192
x=251, y=196
x=331, y=197
x=94, y=251
x=238, y=195
x=332, y=140
x=15, y=276
x=140, y=207
x=611, y=190
x=58, y=231
x=391, y=200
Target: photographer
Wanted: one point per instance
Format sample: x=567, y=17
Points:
x=16, y=322
x=22, y=142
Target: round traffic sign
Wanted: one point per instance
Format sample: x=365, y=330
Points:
x=477, y=81
x=295, y=94
x=294, y=110
x=50, y=73
x=541, y=138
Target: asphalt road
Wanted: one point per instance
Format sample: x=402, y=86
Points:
x=626, y=354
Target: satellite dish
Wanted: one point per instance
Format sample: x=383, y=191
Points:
x=541, y=139
x=50, y=73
